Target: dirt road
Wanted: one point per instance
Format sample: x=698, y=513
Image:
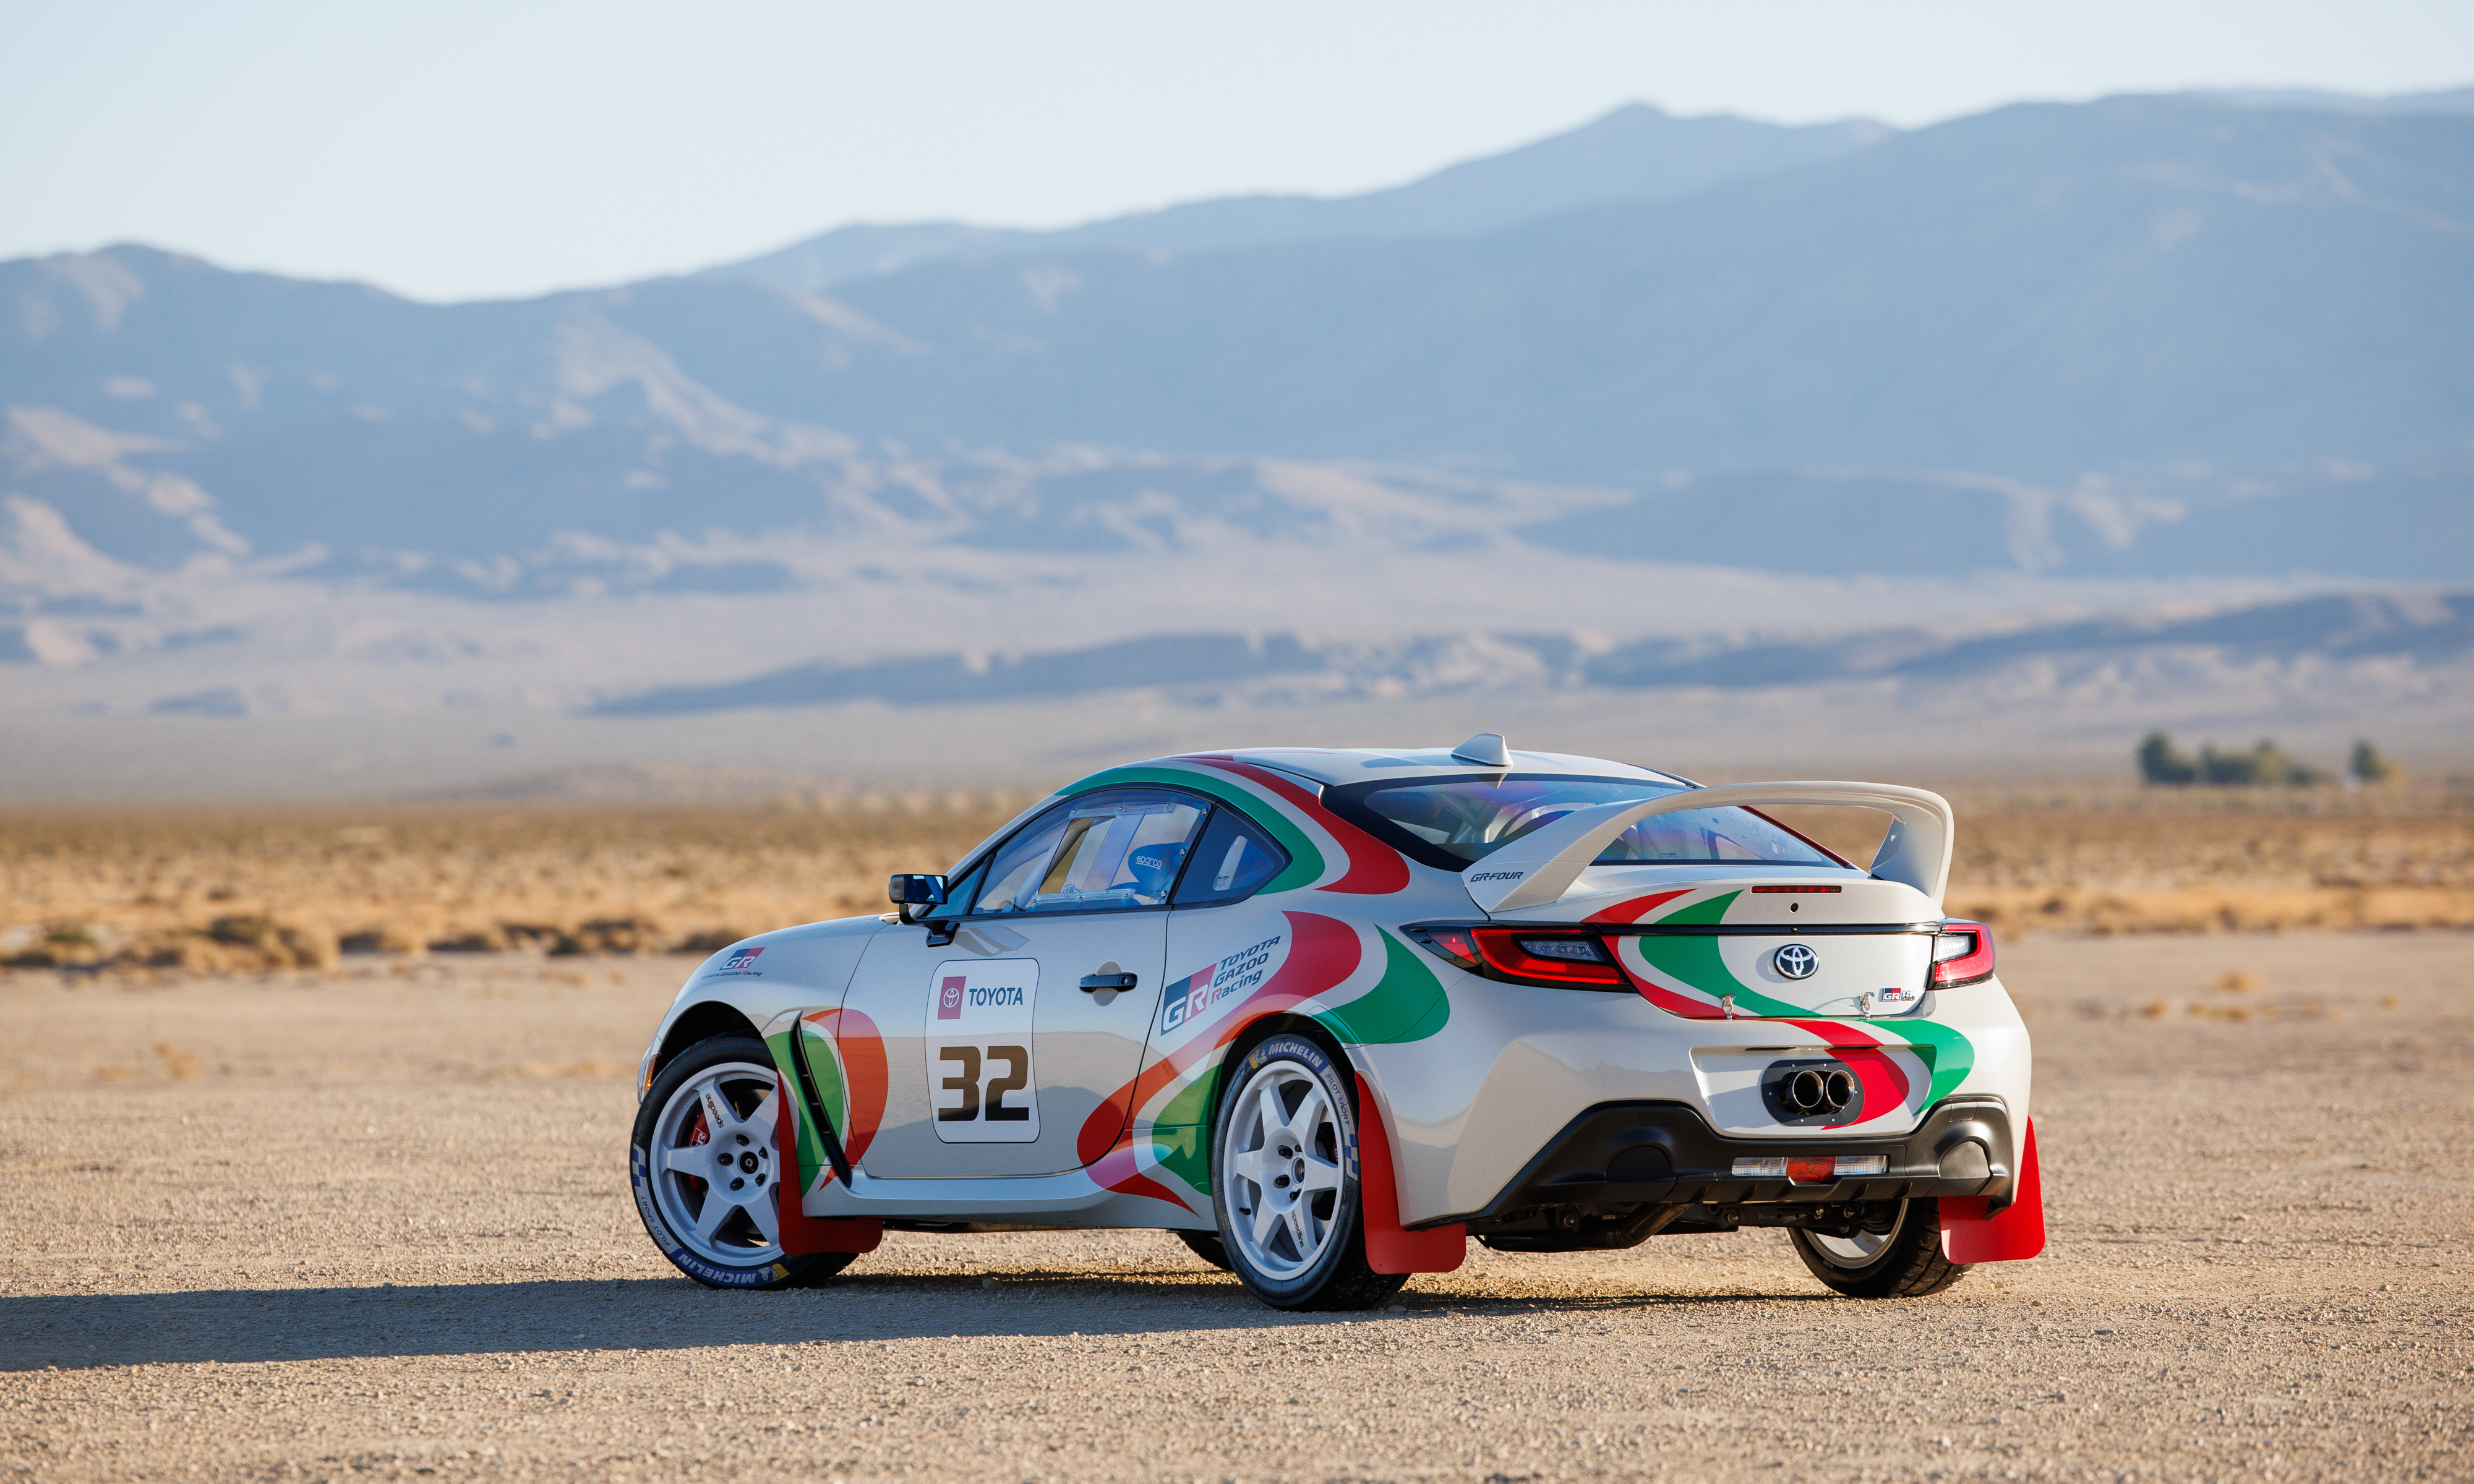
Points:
x=374, y=1226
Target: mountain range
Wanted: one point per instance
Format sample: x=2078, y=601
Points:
x=1662, y=402
x=2075, y=330
x=2432, y=629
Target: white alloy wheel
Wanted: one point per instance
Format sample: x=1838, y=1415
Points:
x=714, y=1164
x=1281, y=1153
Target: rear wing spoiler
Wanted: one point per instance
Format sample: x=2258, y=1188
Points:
x=1539, y=868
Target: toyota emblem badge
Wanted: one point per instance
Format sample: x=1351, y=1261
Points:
x=1796, y=961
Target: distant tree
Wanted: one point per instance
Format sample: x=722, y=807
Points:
x=2263, y=766
x=2160, y=761
x=2369, y=766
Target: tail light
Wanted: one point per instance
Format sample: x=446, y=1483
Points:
x=1962, y=954
x=1525, y=955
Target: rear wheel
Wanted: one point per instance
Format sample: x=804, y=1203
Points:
x=1894, y=1255
x=1284, y=1181
x=707, y=1171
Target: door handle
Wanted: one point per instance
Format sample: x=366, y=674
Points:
x=1097, y=983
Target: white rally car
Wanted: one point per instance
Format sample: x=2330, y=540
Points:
x=1327, y=1015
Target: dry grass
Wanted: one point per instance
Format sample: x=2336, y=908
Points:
x=296, y=888
x=223, y=891
x=2204, y=866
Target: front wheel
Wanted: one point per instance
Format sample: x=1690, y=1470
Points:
x=707, y=1172
x=1284, y=1181
x=1894, y=1255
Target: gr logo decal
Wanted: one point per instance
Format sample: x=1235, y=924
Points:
x=741, y=961
x=1498, y=876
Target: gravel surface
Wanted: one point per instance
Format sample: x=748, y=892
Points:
x=372, y=1224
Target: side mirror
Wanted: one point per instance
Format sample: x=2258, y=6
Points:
x=914, y=891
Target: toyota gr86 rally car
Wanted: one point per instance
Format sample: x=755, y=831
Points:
x=1328, y=1015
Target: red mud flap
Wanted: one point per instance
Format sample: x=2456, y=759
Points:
x=1969, y=1236
x=1388, y=1248
x=801, y=1233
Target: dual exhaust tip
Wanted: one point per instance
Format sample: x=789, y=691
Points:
x=1811, y=1093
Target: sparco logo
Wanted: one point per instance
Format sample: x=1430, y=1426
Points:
x=1498, y=876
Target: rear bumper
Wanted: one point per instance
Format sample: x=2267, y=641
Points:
x=1632, y=1153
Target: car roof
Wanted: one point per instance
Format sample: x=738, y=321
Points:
x=1331, y=765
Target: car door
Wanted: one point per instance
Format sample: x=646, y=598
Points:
x=1009, y=1025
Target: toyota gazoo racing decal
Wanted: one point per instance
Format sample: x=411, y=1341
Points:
x=1239, y=973
x=1905, y=1063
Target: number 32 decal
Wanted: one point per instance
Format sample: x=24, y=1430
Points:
x=988, y=1102
x=976, y=1022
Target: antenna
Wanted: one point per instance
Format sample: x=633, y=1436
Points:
x=1486, y=748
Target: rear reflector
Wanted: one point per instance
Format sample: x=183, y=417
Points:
x=1814, y=1169
x=1453, y=945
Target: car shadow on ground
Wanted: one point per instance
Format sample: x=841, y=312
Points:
x=235, y=1326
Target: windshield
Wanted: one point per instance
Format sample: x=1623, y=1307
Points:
x=1453, y=823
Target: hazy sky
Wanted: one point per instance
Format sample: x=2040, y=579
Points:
x=454, y=150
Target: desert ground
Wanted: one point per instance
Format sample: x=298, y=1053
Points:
x=372, y=1224
x=367, y=1219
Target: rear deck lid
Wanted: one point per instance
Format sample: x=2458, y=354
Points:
x=1714, y=945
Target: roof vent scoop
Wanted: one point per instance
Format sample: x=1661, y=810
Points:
x=1486, y=748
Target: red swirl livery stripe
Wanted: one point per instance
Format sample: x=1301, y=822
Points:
x=1884, y=1081
x=1664, y=998
x=1323, y=953
x=1374, y=869
x=1632, y=909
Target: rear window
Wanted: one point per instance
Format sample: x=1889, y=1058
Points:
x=1454, y=822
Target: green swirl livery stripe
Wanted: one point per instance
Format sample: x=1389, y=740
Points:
x=1305, y=858
x=811, y=1149
x=1694, y=960
x=1408, y=1003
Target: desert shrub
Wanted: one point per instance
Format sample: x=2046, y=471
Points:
x=610, y=935
x=2264, y=765
x=275, y=944
x=2368, y=767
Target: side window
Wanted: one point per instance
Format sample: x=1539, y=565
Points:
x=1117, y=848
x=1233, y=860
